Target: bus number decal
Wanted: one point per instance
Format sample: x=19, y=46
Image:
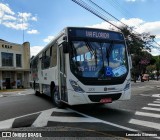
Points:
x=91, y=89
x=89, y=68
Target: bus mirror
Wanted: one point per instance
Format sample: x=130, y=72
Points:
x=65, y=47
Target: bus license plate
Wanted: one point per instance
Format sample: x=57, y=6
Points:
x=106, y=100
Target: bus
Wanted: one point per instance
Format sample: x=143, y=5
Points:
x=83, y=66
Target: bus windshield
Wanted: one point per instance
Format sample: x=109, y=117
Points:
x=98, y=60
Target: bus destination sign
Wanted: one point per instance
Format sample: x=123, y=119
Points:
x=95, y=33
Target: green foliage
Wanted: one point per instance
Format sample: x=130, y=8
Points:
x=157, y=64
x=139, y=46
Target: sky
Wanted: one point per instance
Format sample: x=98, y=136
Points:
x=39, y=21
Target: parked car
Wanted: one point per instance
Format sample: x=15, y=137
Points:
x=145, y=77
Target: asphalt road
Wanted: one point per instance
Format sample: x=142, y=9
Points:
x=141, y=113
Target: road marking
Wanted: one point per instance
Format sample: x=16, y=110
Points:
x=156, y=101
x=145, y=123
x=144, y=95
x=154, y=104
x=72, y=119
x=147, y=114
x=42, y=119
x=142, y=87
x=150, y=87
x=150, y=108
x=21, y=93
x=45, y=116
x=6, y=124
x=145, y=87
x=156, y=95
x=13, y=95
x=106, y=122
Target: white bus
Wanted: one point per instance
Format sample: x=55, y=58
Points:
x=83, y=66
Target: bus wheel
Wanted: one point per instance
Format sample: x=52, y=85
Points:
x=36, y=93
x=56, y=99
x=34, y=87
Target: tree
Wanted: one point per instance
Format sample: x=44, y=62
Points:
x=157, y=66
x=138, y=46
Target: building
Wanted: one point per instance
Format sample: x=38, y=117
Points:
x=14, y=64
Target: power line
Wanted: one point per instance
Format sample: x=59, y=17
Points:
x=156, y=43
x=126, y=12
x=103, y=17
x=93, y=11
x=117, y=6
x=107, y=12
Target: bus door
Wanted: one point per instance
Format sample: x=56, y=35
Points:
x=62, y=75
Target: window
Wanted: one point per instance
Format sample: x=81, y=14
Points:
x=54, y=56
x=18, y=60
x=7, y=59
x=46, y=59
x=34, y=68
x=98, y=59
x=34, y=63
x=50, y=51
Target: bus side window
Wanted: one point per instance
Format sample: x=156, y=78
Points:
x=53, y=61
x=43, y=60
x=34, y=68
x=47, y=59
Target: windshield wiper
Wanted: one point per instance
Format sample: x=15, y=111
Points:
x=95, y=57
x=93, y=52
x=103, y=70
x=74, y=54
x=108, y=51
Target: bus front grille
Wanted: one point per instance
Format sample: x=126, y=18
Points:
x=97, y=98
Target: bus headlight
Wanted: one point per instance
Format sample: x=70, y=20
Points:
x=76, y=87
x=127, y=86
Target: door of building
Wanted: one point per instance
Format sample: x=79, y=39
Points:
x=8, y=83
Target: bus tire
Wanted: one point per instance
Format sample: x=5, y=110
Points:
x=34, y=87
x=56, y=99
x=36, y=92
